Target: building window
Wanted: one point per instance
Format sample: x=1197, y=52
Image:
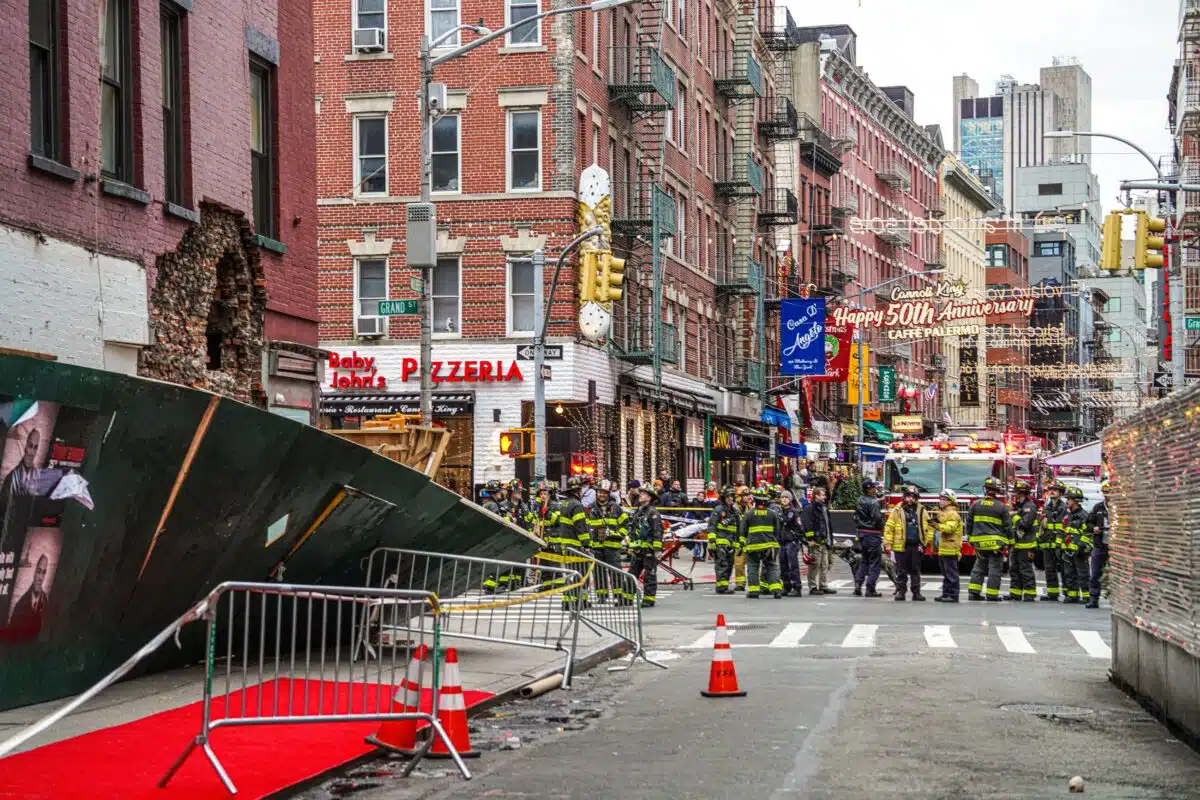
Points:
x=372, y=14
x=1049, y=248
x=529, y=34
x=525, y=150
x=682, y=8
x=443, y=17
x=1112, y=305
x=43, y=78
x=116, y=92
x=370, y=286
x=446, y=164
x=681, y=218
x=262, y=146
x=1113, y=335
x=447, y=297
x=170, y=30
x=1045, y=189
x=520, y=297
x=997, y=255
x=681, y=116
x=595, y=40
x=370, y=165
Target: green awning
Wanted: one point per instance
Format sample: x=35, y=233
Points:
x=879, y=431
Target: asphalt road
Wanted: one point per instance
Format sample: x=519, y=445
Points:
x=847, y=698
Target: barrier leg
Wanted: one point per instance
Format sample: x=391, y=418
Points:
x=212, y=758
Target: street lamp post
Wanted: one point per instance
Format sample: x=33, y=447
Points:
x=428, y=63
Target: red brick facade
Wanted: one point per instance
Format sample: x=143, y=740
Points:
x=1008, y=268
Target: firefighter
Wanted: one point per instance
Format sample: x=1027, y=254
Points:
x=546, y=513
x=1098, y=524
x=758, y=538
x=868, y=520
x=1077, y=547
x=722, y=536
x=745, y=503
x=906, y=533
x=1022, y=581
x=518, y=511
x=989, y=530
x=947, y=543
x=645, y=544
x=572, y=530
x=495, y=500
x=791, y=540
x=608, y=524
x=1054, y=511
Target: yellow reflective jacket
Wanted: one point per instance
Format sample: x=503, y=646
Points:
x=894, y=528
x=948, y=527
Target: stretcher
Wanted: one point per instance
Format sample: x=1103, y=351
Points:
x=679, y=533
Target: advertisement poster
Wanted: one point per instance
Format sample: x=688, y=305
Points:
x=44, y=447
x=839, y=341
x=802, y=337
x=887, y=385
x=853, y=373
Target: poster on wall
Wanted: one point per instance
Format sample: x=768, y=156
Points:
x=838, y=344
x=802, y=337
x=968, y=368
x=43, y=449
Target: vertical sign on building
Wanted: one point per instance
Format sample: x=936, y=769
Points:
x=802, y=337
x=993, y=413
x=887, y=384
x=839, y=341
x=852, y=375
x=968, y=368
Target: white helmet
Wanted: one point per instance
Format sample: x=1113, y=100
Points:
x=604, y=485
x=950, y=495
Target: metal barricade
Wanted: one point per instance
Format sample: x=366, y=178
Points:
x=612, y=603
x=522, y=604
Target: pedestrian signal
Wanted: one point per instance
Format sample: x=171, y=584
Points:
x=1110, y=247
x=1148, y=248
x=517, y=443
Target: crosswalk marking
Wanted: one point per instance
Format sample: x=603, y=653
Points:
x=861, y=636
x=1013, y=639
x=709, y=639
x=1093, y=644
x=791, y=635
x=939, y=636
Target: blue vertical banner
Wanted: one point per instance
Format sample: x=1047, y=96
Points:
x=802, y=337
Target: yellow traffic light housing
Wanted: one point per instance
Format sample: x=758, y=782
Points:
x=589, y=271
x=1110, y=247
x=516, y=443
x=1144, y=255
x=612, y=275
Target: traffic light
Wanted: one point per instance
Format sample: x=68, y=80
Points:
x=1110, y=247
x=1144, y=252
x=612, y=275
x=517, y=443
x=588, y=275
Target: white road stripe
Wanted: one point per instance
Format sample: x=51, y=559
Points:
x=791, y=635
x=1013, y=639
x=861, y=636
x=708, y=639
x=931, y=586
x=842, y=584
x=1093, y=644
x=939, y=636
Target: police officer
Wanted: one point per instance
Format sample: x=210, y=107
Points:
x=608, y=524
x=758, y=538
x=722, y=535
x=989, y=530
x=1022, y=581
x=868, y=520
x=1098, y=525
x=645, y=544
x=1054, y=512
x=1077, y=547
x=791, y=536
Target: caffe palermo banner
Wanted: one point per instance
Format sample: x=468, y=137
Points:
x=838, y=344
x=802, y=337
x=935, y=304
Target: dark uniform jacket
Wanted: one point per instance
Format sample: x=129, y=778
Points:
x=572, y=528
x=1053, y=514
x=759, y=530
x=645, y=529
x=790, y=529
x=723, y=525
x=1076, y=536
x=1098, y=524
x=608, y=524
x=989, y=524
x=815, y=522
x=1025, y=527
x=868, y=515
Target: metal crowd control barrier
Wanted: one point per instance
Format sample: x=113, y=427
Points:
x=522, y=604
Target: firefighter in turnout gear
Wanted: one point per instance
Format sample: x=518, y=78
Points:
x=1098, y=526
x=645, y=544
x=608, y=524
x=722, y=536
x=1054, y=512
x=495, y=500
x=1022, y=581
x=571, y=530
x=546, y=512
x=518, y=511
x=1077, y=547
x=758, y=538
x=989, y=530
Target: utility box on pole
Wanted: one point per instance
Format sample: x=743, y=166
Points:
x=421, y=235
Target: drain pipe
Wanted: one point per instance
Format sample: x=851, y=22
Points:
x=542, y=685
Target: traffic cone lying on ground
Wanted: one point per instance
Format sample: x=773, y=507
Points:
x=400, y=736
x=722, y=678
x=452, y=712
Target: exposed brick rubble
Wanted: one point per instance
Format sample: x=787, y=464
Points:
x=212, y=284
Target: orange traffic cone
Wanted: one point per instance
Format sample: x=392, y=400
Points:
x=722, y=679
x=452, y=712
x=400, y=735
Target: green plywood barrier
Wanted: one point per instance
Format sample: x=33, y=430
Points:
x=124, y=500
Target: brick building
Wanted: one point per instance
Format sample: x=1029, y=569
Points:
x=1008, y=345
x=676, y=101
x=159, y=213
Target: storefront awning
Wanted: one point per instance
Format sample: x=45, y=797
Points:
x=776, y=417
x=374, y=403
x=681, y=398
x=879, y=431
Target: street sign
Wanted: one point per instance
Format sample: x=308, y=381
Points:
x=1164, y=380
x=1192, y=323
x=554, y=352
x=417, y=284
x=545, y=372
x=397, y=308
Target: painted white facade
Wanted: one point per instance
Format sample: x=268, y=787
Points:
x=60, y=299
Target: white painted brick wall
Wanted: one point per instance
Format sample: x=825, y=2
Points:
x=59, y=299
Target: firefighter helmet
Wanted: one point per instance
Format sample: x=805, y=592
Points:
x=950, y=495
x=911, y=491
x=1105, y=487
x=1058, y=486
x=992, y=484
x=547, y=486
x=1075, y=493
x=574, y=484
x=493, y=486
x=515, y=485
x=775, y=490
x=1021, y=485
x=761, y=496
x=727, y=490
x=604, y=485
x=650, y=490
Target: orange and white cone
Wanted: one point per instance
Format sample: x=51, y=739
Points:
x=400, y=735
x=722, y=678
x=452, y=712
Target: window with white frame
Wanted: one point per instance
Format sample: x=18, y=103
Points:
x=669, y=123
x=595, y=42
x=525, y=150
x=681, y=215
x=681, y=104
x=671, y=249
x=370, y=14
x=526, y=35
x=681, y=7
x=447, y=164
x=520, y=297
x=370, y=162
x=370, y=286
x=443, y=17
x=446, y=292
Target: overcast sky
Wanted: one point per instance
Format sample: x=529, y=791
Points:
x=922, y=44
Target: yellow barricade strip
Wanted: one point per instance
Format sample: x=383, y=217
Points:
x=516, y=601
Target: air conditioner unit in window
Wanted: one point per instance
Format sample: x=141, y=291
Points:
x=368, y=40
x=369, y=326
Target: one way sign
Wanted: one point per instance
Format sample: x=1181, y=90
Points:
x=1164, y=380
x=554, y=352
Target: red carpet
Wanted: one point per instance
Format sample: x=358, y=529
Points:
x=127, y=761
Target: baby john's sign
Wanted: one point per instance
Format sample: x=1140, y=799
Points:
x=934, y=304
x=360, y=372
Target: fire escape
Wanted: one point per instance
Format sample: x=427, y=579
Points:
x=843, y=207
x=1187, y=117
x=779, y=127
x=643, y=213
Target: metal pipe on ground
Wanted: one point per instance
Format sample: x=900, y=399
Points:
x=542, y=685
